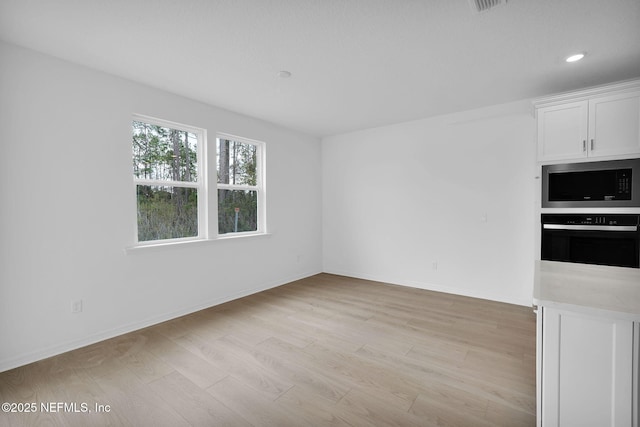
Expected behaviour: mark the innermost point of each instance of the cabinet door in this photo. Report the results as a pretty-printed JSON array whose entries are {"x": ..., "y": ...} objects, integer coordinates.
[
  {"x": 562, "y": 131},
  {"x": 614, "y": 125},
  {"x": 586, "y": 370}
]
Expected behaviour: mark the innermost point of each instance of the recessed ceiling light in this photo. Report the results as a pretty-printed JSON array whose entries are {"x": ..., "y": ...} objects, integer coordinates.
[
  {"x": 284, "y": 74},
  {"x": 574, "y": 58}
]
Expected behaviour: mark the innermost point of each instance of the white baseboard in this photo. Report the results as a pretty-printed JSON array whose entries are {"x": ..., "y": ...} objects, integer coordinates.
[
  {"x": 57, "y": 349},
  {"x": 435, "y": 287}
]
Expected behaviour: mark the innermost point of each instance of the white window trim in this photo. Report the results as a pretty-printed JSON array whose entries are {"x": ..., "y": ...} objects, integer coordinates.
[
  {"x": 207, "y": 203},
  {"x": 259, "y": 188},
  {"x": 200, "y": 185}
]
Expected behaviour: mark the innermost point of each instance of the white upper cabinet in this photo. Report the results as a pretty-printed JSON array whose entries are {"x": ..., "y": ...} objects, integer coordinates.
[
  {"x": 597, "y": 123},
  {"x": 562, "y": 131},
  {"x": 614, "y": 125}
]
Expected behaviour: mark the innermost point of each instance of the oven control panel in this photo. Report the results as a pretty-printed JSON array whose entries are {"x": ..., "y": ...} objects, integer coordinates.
[
  {"x": 572, "y": 219},
  {"x": 598, "y": 220}
]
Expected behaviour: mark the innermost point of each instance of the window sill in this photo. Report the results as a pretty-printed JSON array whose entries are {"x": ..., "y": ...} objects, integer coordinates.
[{"x": 189, "y": 243}]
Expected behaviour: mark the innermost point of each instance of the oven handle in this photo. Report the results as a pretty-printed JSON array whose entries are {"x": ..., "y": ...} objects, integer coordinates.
[{"x": 590, "y": 227}]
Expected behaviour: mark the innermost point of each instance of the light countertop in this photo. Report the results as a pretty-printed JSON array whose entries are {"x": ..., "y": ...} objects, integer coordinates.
[{"x": 588, "y": 288}]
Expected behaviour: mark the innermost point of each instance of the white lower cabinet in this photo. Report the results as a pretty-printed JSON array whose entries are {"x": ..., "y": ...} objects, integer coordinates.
[{"x": 587, "y": 370}]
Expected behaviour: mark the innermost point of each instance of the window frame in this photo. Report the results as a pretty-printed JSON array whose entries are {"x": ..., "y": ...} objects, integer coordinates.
[
  {"x": 200, "y": 185},
  {"x": 259, "y": 188}
]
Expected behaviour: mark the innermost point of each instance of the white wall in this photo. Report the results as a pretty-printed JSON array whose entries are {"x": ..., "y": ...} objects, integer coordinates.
[
  {"x": 67, "y": 211},
  {"x": 400, "y": 198},
  {"x": 391, "y": 202}
]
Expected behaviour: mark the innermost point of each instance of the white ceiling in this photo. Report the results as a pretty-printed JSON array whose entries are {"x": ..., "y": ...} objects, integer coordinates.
[{"x": 356, "y": 63}]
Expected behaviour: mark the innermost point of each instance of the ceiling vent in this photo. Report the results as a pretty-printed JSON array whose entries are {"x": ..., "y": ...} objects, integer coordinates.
[{"x": 479, "y": 6}]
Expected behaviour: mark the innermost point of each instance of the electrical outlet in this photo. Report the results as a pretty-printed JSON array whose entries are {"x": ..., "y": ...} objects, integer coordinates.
[
  {"x": 434, "y": 265},
  {"x": 76, "y": 306}
]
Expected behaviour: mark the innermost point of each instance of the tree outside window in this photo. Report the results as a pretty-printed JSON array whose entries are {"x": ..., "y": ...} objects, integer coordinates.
[
  {"x": 167, "y": 172},
  {"x": 240, "y": 193}
]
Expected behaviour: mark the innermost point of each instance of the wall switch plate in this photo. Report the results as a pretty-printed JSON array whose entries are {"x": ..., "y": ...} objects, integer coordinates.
[{"x": 76, "y": 306}]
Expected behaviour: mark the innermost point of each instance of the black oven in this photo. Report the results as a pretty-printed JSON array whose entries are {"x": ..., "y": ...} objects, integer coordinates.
[{"x": 592, "y": 239}]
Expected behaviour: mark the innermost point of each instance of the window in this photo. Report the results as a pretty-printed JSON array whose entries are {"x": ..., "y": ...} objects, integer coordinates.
[
  {"x": 169, "y": 165},
  {"x": 168, "y": 171},
  {"x": 240, "y": 185}
]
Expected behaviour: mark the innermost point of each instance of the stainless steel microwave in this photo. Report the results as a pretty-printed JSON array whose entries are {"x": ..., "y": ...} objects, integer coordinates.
[{"x": 614, "y": 183}]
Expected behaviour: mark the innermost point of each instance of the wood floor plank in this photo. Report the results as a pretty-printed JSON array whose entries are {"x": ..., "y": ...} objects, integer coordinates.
[
  {"x": 249, "y": 373},
  {"x": 194, "y": 368},
  {"x": 326, "y": 383},
  {"x": 441, "y": 412},
  {"x": 375, "y": 379},
  {"x": 508, "y": 416},
  {"x": 44, "y": 384},
  {"x": 135, "y": 401},
  {"x": 361, "y": 409},
  {"x": 322, "y": 351},
  {"x": 194, "y": 404},
  {"x": 254, "y": 408},
  {"x": 146, "y": 365},
  {"x": 289, "y": 368},
  {"x": 306, "y": 403}
]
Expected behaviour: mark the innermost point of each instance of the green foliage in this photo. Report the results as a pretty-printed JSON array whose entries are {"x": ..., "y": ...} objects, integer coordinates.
[
  {"x": 166, "y": 212},
  {"x": 246, "y": 201}
]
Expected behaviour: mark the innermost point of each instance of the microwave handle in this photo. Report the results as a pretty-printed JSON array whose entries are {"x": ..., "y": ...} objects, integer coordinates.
[
  {"x": 590, "y": 227},
  {"x": 584, "y": 145}
]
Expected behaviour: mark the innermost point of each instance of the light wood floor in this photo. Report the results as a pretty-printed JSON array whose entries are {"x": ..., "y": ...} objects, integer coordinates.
[{"x": 326, "y": 350}]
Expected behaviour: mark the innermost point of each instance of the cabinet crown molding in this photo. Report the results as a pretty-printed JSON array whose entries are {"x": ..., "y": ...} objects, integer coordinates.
[{"x": 587, "y": 93}]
